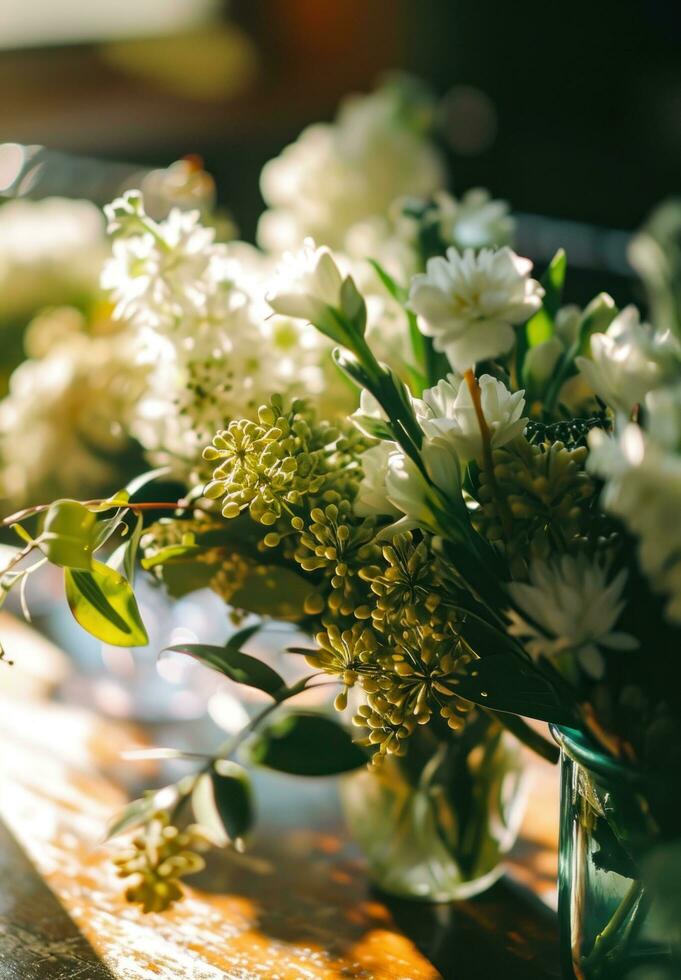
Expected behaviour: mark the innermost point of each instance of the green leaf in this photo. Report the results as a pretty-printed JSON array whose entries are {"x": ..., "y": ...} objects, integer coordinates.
[
  {"x": 238, "y": 666},
  {"x": 397, "y": 292},
  {"x": 307, "y": 744},
  {"x": 553, "y": 282},
  {"x": 174, "y": 552},
  {"x": 132, "y": 815},
  {"x": 68, "y": 534},
  {"x": 22, "y": 532},
  {"x": 130, "y": 559},
  {"x": 233, "y": 798},
  {"x": 540, "y": 327},
  {"x": 223, "y": 803},
  {"x": 143, "y": 479},
  {"x": 243, "y": 635},
  {"x": 107, "y": 528},
  {"x": 104, "y": 604},
  {"x": 504, "y": 683}
]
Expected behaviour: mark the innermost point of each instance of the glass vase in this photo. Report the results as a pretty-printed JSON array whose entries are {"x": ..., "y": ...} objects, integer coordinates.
[
  {"x": 435, "y": 824},
  {"x": 619, "y": 897}
]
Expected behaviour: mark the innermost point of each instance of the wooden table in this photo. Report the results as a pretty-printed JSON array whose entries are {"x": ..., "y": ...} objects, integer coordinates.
[{"x": 296, "y": 905}]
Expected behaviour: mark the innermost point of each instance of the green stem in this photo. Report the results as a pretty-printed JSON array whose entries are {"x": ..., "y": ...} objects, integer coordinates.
[
  {"x": 622, "y": 916},
  {"x": 22, "y": 515}
]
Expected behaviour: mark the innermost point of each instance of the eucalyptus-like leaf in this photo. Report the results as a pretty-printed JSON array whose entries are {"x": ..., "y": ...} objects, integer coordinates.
[
  {"x": 305, "y": 743},
  {"x": 68, "y": 534},
  {"x": 104, "y": 604},
  {"x": 130, "y": 559},
  {"x": 172, "y": 553},
  {"x": 22, "y": 532},
  {"x": 223, "y": 802},
  {"x": 107, "y": 528},
  {"x": 238, "y": 666},
  {"x": 143, "y": 479},
  {"x": 233, "y": 798}
]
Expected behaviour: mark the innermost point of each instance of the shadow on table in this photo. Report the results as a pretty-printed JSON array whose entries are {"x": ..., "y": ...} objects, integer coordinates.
[
  {"x": 38, "y": 939},
  {"x": 309, "y": 888}
]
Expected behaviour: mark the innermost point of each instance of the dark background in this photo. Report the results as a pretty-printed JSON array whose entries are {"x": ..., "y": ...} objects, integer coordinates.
[{"x": 567, "y": 110}]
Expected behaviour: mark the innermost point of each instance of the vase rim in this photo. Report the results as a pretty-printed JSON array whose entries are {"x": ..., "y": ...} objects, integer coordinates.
[{"x": 583, "y": 750}]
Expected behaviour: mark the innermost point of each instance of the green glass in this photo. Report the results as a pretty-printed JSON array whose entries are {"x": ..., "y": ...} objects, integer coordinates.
[
  {"x": 619, "y": 896},
  {"x": 436, "y": 824}
]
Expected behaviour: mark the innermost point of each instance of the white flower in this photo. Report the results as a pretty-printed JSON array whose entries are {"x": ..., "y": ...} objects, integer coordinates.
[
  {"x": 476, "y": 220},
  {"x": 309, "y": 282},
  {"x": 64, "y": 423},
  {"x": 338, "y": 174},
  {"x": 572, "y": 607},
  {"x": 408, "y": 490},
  {"x": 372, "y": 496},
  {"x": 452, "y": 414},
  {"x": 202, "y": 326},
  {"x": 469, "y": 302},
  {"x": 51, "y": 253},
  {"x": 626, "y": 361},
  {"x": 642, "y": 473},
  {"x": 162, "y": 273},
  {"x": 369, "y": 417}
]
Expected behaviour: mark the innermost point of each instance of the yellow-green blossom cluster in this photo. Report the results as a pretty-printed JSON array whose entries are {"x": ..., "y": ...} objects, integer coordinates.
[
  {"x": 161, "y": 854},
  {"x": 381, "y": 610}
]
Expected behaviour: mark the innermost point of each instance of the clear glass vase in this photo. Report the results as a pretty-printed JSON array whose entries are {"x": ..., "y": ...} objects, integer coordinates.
[
  {"x": 619, "y": 899},
  {"x": 435, "y": 824}
]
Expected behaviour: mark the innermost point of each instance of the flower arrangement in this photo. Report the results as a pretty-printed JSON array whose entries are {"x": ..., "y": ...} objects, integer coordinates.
[{"x": 490, "y": 535}]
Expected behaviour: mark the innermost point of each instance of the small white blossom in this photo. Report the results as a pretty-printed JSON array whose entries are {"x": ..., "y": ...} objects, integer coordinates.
[
  {"x": 469, "y": 302},
  {"x": 626, "y": 361},
  {"x": 372, "y": 495},
  {"x": 572, "y": 606},
  {"x": 309, "y": 281},
  {"x": 476, "y": 220},
  {"x": 453, "y": 417},
  {"x": 162, "y": 273}
]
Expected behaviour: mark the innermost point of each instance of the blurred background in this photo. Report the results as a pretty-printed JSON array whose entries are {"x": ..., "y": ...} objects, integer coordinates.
[{"x": 573, "y": 114}]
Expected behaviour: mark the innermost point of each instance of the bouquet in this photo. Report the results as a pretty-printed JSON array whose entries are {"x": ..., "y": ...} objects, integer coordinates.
[{"x": 489, "y": 535}]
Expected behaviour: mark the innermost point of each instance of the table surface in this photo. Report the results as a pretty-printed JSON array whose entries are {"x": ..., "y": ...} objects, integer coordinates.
[{"x": 297, "y": 904}]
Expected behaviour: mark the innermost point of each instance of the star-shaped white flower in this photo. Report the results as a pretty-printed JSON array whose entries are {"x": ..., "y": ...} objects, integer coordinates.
[{"x": 570, "y": 606}]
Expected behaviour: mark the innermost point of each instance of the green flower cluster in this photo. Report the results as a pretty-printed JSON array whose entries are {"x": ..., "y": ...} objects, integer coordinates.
[
  {"x": 269, "y": 466},
  {"x": 380, "y": 609},
  {"x": 547, "y": 493}
]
